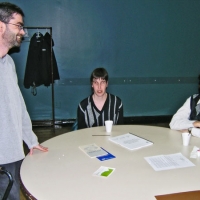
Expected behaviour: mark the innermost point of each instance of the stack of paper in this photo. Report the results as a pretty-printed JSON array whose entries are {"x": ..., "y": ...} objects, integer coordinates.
[
  {"x": 166, "y": 162},
  {"x": 92, "y": 150},
  {"x": 130, "y": 141}
]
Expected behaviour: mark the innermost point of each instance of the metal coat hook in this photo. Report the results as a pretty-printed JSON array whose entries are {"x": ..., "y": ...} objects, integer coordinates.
[{"x": 38, "y": 34}]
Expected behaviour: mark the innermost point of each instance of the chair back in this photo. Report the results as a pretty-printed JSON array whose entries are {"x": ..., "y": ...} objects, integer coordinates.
[
  {"x": 75, "y": 125},
  {"x": 10, "y": 182}
]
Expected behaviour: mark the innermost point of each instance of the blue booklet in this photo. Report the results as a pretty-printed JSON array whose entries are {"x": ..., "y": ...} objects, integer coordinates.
[{"x": 106, "y": 157}]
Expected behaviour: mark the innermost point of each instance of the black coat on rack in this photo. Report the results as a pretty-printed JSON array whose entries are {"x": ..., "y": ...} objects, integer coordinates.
[
  {"x": 38, "y": 67},
  {"x": 52, "y": 68}
]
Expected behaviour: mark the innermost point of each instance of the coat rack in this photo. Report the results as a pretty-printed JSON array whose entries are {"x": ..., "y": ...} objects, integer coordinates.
[{"x": 52, "y": 75}]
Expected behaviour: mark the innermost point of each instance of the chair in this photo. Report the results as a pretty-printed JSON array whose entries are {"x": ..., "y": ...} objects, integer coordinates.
[
  {"x": 75, "y": 125},
  {"x": 10, "y": 183}
]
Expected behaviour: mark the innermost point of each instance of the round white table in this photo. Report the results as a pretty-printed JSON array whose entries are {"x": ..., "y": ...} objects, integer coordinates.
[{"x": 66, "y": 172}]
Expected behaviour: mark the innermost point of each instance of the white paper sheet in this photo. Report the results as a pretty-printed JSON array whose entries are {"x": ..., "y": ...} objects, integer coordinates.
[
  {"x": 92, "y": 150},
  {"x": 130, "y": 141},
  {"x": 166, "y": 162}
]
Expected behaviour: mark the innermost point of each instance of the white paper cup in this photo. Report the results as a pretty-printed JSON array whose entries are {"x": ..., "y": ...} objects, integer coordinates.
[
  {"x": 186, "y": 138},
  {"x": 108, "y": 125}
]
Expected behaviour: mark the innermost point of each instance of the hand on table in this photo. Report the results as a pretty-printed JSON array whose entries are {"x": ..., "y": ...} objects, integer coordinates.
[
  {"x": 184, "y": 130},
  {"x": 197, "y": 124},
  {"x": 39, "y": 147}
]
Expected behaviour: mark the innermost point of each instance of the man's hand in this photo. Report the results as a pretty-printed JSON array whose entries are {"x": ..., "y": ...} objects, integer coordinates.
[
  {"x": 197, "y": 124},
  {"x": 184, "y": 131},
  {"x": 39, "y": 147}
]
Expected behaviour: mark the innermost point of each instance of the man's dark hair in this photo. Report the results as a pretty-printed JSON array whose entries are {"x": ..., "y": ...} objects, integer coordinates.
[
  {"x": 99, "y": 73},
  {"x": 7, "y": 10}
]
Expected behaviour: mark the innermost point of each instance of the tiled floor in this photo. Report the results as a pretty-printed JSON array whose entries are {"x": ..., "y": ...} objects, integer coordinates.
[{"x": 45, "y": 133}]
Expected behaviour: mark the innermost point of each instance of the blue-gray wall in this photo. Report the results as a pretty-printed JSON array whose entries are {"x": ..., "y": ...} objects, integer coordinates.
[{"x": 149, "y": 47}]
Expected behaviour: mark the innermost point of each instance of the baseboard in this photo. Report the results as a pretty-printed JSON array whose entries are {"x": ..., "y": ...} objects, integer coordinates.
[
  {"x": 63, "y": 122},
  {"x": 127, "y": 120},
  {"x": 148, "y": 119},
  {"x": 42, "y": 122}
]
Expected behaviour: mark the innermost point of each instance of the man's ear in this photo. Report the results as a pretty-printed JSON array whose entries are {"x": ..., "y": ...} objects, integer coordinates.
[{"x": 2, "y": 27}]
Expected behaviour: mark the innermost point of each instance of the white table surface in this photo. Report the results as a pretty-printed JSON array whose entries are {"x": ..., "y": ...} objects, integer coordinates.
[{"x": 65, "y": 172}]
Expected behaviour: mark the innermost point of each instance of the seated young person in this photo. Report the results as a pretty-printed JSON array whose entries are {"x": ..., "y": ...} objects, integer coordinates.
[
  {"x": 100, "y": 106},
  {"x": 188, "y": 116}
]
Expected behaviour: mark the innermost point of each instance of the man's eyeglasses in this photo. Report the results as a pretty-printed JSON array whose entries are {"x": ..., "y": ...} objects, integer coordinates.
[{"x": 18, "y": 25}]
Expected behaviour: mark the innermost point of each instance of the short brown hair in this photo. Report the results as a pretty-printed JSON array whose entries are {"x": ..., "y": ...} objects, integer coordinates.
[
  {"x": 7, "y": 10},
  {"x": 99, "y": 73}
]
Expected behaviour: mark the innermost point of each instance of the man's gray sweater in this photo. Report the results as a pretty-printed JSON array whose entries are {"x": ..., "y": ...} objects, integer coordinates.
[{"x": 15, "y": 123}]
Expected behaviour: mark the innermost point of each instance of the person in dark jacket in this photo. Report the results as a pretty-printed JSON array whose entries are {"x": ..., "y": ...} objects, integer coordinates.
[{"x": 100, "y": 106}]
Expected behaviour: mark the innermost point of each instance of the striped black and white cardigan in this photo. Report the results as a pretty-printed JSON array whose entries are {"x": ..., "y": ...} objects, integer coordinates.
[{"x": 89, "y": 116}]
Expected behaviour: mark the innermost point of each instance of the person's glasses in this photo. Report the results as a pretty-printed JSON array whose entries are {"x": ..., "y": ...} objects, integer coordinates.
[{"x": 18, "y": 25}]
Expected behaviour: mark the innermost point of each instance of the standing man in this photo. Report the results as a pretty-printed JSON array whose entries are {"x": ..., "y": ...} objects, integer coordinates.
[
  {"x": 100, "y": 106},
  {"x": 15, "y": 123}
]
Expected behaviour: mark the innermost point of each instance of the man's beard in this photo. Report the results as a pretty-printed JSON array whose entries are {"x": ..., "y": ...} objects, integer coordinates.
[{"x": 10, "y": 39}]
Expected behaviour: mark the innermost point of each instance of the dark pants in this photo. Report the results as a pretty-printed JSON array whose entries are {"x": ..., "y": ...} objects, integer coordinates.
[{"x": 14, "y": 169}]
